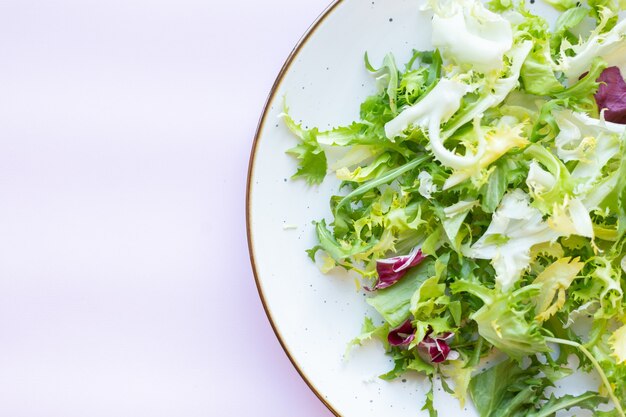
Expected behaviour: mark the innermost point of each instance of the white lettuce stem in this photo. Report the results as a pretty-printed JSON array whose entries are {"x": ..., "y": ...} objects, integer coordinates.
[
  {"x": 596, "y": 365},
  {"x": 447, "y": 157}
]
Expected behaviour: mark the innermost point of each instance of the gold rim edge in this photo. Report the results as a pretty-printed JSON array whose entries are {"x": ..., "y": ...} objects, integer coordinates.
[{"x": 294, "y": 53}]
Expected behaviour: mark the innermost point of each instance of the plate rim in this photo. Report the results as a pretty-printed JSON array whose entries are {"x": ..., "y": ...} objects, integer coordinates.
[{"x": 249, "y": 182}]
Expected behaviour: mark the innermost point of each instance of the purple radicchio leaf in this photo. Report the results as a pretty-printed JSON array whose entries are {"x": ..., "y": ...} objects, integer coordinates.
[
  {"x": 390, "y": 270},
  {"x": 403, "y": 335},
  {"x": 611, "y": 95},
  {"x": 437, "y": 347}
]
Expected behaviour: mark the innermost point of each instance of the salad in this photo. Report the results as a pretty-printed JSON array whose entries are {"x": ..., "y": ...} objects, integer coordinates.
[{"x": 483, "y": 205}]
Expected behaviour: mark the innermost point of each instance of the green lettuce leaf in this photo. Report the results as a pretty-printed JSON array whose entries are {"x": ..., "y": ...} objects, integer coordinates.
[
  {"x": 507, "y": 390},
  {"x": 505, "y": 320},
  {"x": 394, "y": 303},
  {"x": 313, "y": 164}
]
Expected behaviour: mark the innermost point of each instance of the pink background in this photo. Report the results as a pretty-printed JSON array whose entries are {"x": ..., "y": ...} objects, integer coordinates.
[{"x": 125, "y": 284}]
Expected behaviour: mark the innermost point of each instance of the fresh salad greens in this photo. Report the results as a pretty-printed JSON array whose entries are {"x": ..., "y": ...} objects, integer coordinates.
[{"x": 483, "y": 204}]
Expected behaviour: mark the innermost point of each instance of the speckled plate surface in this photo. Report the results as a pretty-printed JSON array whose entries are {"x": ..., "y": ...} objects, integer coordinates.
[{"x": 316, "y": 315}]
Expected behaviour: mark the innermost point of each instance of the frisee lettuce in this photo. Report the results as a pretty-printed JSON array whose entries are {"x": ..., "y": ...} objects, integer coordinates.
[{"x": 491, "y": 158}]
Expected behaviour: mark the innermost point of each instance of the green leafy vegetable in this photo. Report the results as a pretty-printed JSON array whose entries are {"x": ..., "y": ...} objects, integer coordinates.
[
  {"x": 313, "y": 164},
  {"x": 489, "y": 157},
  {"x": 507, "y": 390}
]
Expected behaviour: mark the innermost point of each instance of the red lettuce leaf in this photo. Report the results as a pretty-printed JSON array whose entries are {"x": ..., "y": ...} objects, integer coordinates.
[
  {"x": 434, "y": 348},
  {"x": 611, "y": 95},
  {"x": 438, "y": 348},
  {"x": 391, "y": 270},
  {"x": 403, "y": 335}
]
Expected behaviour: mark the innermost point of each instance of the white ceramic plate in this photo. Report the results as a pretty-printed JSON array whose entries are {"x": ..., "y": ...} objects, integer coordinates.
[{"x": 316, "y": 315}]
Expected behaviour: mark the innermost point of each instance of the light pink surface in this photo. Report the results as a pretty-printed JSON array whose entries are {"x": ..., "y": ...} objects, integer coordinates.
[{"x": 125, "y": 131}]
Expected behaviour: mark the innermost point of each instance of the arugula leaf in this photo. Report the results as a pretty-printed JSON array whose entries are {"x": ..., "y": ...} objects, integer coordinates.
[
  {"x": 507, "y": 389},
  {"x": 588, "y": 400},
  {"x": 428, "y": 403},
  {"x": 386, "y": 178},
  {"x": 502, "y": 390}
]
